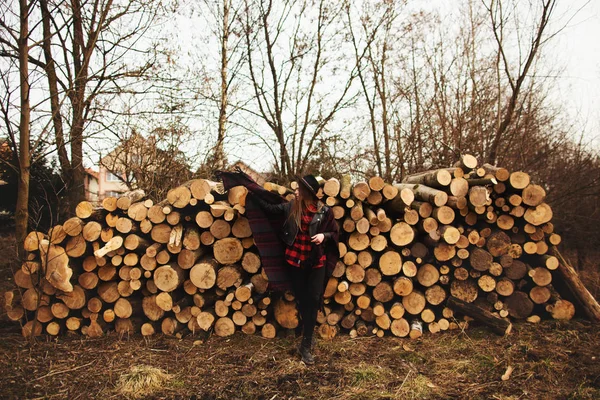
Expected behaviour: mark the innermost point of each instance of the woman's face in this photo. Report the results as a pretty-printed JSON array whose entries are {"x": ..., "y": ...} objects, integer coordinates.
[{"x": 302, "y": 193}]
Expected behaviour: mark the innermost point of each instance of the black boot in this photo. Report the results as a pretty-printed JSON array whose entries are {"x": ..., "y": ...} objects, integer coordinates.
[{"x": 306, "y": 352}]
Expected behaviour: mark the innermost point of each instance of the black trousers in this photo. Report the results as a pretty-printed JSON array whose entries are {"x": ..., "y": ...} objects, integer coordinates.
[{"x": 308, "y": 289}]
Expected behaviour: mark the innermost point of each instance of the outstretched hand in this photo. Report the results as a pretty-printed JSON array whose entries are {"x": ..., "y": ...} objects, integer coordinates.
[{"x": 318, "y": 238}]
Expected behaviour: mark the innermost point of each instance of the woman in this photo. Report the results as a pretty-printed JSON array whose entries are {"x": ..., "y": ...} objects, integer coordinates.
[{"x": 309, "y": 228}]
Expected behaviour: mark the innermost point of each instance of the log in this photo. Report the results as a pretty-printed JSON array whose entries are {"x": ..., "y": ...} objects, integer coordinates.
[
  {"x": 541, "y": 276},
  {"x": 515, "y": 270},
  {"x": 88, "y": 280},
  {"x": 73, "y": 226},
  {"x": 444, "y": 252},
  {"x": 174, "y": 245},
  {"x": 400, "y": 327},
  {"x": 505, "y": 287},
  {"x": 123, "y": 308},
  {"x": 361, "y": 190},
  {"x": 345, "y": 187},
  {"x": 428, "y": 275},
  {"x": 519, "y": 180},
  {"x": 403, "y": 286},
  {"x": 390, "y": 263},
  {"x": 206, "y": 320},
  {"x": 155, "y": 214},
  {"x": 151, "y": 310},
  {"x": 358, "y": 241},
  {"x": 519, "y": 305},
  {"x": 478, "y": 196},
  {"x": 459, "y": 188},
  {"x": 74, "y": 300},
  {"x": 228, "y": 250},
  {"x": 444, "y": 214},
  {"x": 332, "y": 187},
  {"x": 466, "y": 163},
  {"x": 285, "y": 313},
  {"x": 179, "y": 197},
  {"x": 538, "y": 215},
  {"x": 241, "y": 228},
  {"x": 437, "y": 178},
  {"x": 383, "y": 292},
  {"x": 173, "y": 218},
  {"x": 402, "y": 234},
  {"x": 113, "y": 244},
  {"x": 590, "y": 306},
  {"x": 435, "y": 295},
  {"x": 186, "y": 259},
  {"x": 414, "y": 302},
  {"x": 480, "y": 259},
  {"x": 168, "y": 277},
  {"x": 108, "y": 292},
  {"x": 228, "y": 276},
  {"x": 56, "y": 234},
  {"x": 425, "y": 193},
  {"x": 91, "y": 231},
  {"x": 403, "y": 199},
  {"x": 56, "y": 263},
  {"x": 75, "y": 246},
  {"x": 204, "y": 274},
  {"x": 540, "y": 294},
  {"x": 561, "y": 310},
  {"x": 465, "y": 290},
  {"x": 251, "y": 262},
  {"x": 497, "y": 325}
]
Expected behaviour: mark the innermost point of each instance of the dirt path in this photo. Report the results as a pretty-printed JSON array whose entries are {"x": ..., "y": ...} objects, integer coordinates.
[{"x": 551, "y": 361}]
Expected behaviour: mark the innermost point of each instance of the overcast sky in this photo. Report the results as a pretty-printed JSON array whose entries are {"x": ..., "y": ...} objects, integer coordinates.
[{"x": 578, "y": 48}]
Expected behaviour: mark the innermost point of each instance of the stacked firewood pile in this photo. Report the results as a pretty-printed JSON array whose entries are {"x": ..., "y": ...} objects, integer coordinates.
[{"x": 429, "y": 254}]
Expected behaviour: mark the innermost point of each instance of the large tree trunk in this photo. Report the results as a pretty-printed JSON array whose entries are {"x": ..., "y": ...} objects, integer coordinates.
[{"x": 21, "y": 209}]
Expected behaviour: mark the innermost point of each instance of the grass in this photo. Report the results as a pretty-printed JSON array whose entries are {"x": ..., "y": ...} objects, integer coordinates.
[
  {"x": 141, "y": 381},
  {"x": 584, "y": 391},
  {"x": 365, "y": 374},
  {"x": 417, "y": 386}
]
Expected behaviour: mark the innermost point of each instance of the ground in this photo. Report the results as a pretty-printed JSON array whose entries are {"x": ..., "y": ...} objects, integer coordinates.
[{"x": 551, "y": 360}]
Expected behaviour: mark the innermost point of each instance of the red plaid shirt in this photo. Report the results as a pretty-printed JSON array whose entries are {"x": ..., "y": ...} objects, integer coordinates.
[{"x": 300, "y": 249}]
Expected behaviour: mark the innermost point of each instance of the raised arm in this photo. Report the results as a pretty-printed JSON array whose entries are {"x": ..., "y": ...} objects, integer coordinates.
[{"x": 269, "y": 207}]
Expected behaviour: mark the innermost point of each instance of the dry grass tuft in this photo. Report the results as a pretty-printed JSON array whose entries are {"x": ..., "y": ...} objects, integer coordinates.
[
  {"x": 141, "y": 381},
  {"x": 416, "y": 386}
]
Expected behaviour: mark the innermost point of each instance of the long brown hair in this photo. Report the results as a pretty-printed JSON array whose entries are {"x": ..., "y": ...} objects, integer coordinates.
[{"x": 303, "y": 201}]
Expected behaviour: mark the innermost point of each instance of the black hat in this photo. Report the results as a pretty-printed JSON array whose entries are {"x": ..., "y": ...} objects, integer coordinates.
[{"x": 310, "y": 182}]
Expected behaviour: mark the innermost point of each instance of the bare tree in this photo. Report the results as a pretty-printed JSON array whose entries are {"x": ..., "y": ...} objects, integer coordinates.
[
  {"x": 90, "y": 53},
  {"x": 378, "y": 29},
  {"x": 223, "y": 18},
  {"x": 515, "y": 76},
  {"x": 154, "y": 164},
  {"x": 219, "y": 159},
  {"x": 287, "y": 78},
  {"x": 22, "y": 207}
]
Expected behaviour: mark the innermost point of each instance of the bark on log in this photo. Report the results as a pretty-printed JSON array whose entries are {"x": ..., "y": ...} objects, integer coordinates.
[
  {"x": 519, "y": 305},
  {"x": 437, "y": 178},
  {"x": 568, "y": 274},
  {"x": 497, "y": 325}
]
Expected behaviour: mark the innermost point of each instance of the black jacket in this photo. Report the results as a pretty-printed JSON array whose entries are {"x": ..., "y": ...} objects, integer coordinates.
[{"x": 290, "y": 228}]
